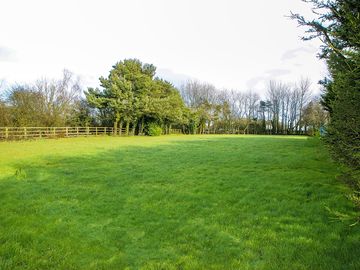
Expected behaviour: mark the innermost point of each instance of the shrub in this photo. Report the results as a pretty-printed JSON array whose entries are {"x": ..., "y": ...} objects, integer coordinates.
[{"x": 153, "y": 129}]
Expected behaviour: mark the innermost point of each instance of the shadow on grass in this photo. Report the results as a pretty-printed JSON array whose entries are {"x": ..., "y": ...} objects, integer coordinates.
[{"x": 212, "y": 203}]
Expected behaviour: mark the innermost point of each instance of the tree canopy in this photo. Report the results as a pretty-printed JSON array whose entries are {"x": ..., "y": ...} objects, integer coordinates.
[
  {"x": 338, "y": 26},
  {"x": 134, "y": 97}
]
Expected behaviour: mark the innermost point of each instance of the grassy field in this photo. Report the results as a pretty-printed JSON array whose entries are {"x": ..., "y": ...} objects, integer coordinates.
[{"x": 175, "y": 202}]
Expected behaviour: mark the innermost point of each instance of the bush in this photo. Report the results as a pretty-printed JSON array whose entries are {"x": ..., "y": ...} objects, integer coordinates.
[{"x": 153, "y": 129}]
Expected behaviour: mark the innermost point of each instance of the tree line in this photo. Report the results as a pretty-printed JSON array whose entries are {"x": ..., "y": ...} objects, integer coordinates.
[
  {"x": 45, "y": 103},
  {"x": 132, "y": 98},
  {"x": 286, "y": 109}
]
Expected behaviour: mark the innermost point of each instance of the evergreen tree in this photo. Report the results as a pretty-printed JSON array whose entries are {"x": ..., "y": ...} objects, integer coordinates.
[
  {"x": 338, "y": 26},
  {"x": 136, "y": 98}
]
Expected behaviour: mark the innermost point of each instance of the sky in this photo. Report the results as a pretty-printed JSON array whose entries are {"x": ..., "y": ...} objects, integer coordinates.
[{"x": 233, "y": 44}]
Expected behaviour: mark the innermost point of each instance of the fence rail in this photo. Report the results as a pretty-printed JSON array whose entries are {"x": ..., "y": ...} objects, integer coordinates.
[
  {"x": 175, "y": 131},
  {"x": 21, "y": 133}
]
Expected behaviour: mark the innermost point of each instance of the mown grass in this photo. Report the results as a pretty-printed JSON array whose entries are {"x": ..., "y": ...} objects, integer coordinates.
[{"x": 175, "y": 202}]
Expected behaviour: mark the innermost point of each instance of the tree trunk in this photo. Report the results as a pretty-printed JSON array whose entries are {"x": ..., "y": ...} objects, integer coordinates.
[
  {"x": 133, "y": 129},
  {"x": 127, "y": 128},
  {"x": 115, "y": 127},
  {"x": 141, "y": 129},
  {"x": 120, "y": 127}
]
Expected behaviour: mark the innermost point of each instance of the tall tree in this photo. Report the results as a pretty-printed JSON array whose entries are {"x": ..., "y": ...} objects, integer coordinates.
[
  {"x": 58, "y": 98},
  {"x": 121, "y": 92},
  {"x": 304, "y": 95},
  {"x": 337, "y": 24},
  {"x": 133, "y": 96}
]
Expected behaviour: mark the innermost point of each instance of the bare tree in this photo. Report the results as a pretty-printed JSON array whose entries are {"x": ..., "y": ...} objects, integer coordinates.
[
  {"x": 231, "y": 111},
  {"x": 287, "y": 104},
  {"x": 304, "y": 95},
  {"x": 58, "y": 97},
  {"x": 251, "y": 100},
  {"x": 274, "y": 95},
  {"x": 46, "y": 103}
]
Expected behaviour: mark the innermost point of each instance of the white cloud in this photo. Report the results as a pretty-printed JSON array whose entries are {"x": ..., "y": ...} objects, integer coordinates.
[
  {"x": 294, "y": 53},
  {"x": 175, "y": 78},
  {"x": 7, "y": 54}
]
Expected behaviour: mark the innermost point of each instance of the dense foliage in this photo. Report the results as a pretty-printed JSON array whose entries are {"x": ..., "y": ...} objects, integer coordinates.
[
  {"x": 338, "y": 26},
  {"x": 153, "y": 129},
  {"x": 131, "y": 95}
]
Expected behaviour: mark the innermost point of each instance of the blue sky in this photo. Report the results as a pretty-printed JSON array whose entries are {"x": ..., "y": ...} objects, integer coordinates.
[{"x": 232, "y": 44}]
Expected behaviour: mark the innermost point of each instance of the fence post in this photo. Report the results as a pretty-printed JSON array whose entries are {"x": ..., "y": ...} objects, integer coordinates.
[
  {"x": 25, "y": 133},
  {"x": 96, "y": 131},
  {"x": 77, "y": 131},
  {"x": 66, "y": 131},
  {"x": 105, "y": 130},
  {"x": 87, "y": 131},
  {"x": 54, "y": 131},
  {"x": 6, "y": 133}
]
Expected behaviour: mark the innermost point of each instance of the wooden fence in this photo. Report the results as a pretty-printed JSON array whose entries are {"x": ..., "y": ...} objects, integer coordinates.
[
  {"x": 175, "y": 131},
  {"x": 21, "y": 133}
]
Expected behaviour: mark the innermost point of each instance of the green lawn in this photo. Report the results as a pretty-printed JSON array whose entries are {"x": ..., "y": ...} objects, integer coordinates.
[{"x": 173, "y": 202}]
